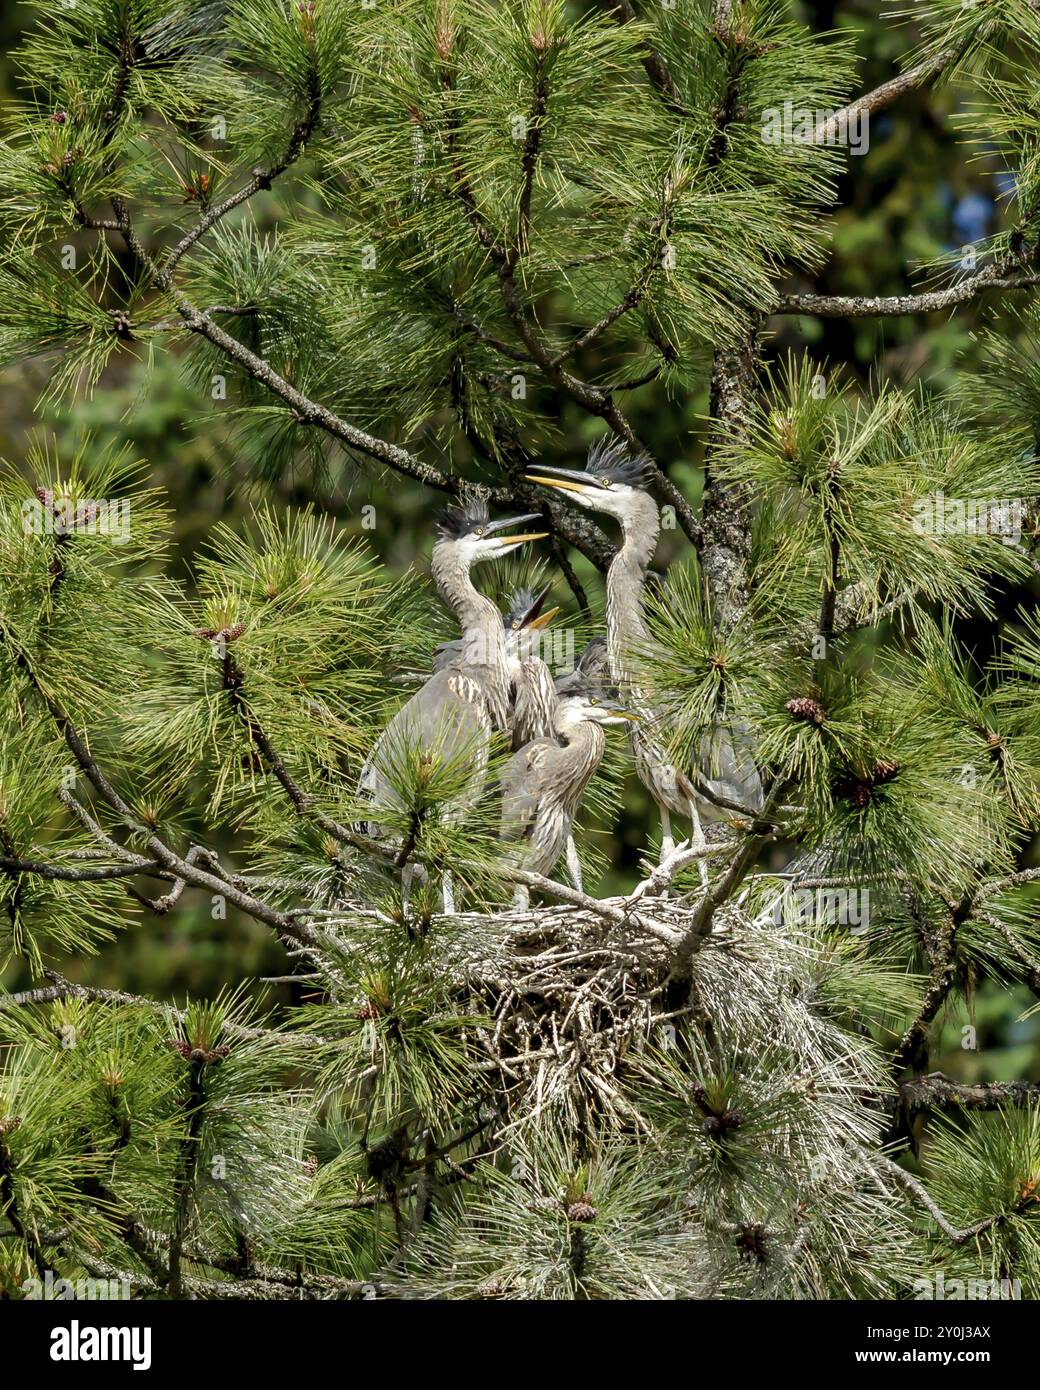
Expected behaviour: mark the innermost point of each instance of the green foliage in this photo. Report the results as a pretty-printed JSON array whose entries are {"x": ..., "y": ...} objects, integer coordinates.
[
  {"x": 489, "y": 217},
  {"x": 984, "y": 1170}
]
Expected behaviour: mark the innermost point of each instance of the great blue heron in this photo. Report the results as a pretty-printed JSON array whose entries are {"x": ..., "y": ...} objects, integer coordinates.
[
  {"x": 533, "y": 691},
  {"x": 614, "y": 481},
  {"x": 543, "y": 783},
  {"x": 452, "y": 716}
]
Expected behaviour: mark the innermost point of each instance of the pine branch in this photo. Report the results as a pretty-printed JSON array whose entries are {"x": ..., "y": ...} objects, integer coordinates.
[
  {"x": 481, "y": 333},
  {"x": 664, "y": 874},
  {"x": 579, "y": 533},
  {"x": 630, "y": 300},
  {"x": 262, "y": 178},
  {"x": 162, "y": 853},
  {"x": 62, "y": 873},
  {"x": 187, "y": 1167},
  {"x": 61, "y": 989},
  {"x": 918, "y": 1190},
  {"x": 754, "y": 838},
  {"x": 888, "y": 92},
  {"x": 9, "y": 1198},
  {"x": 596, "y": 400},
  {"x": 1004, "y": 885},
  {"x": 725, "y": 542},
  {"x": 937, "y": 1092},
  {"x": 997, "y": 277},
  {"x": 912, "y": 1049}
]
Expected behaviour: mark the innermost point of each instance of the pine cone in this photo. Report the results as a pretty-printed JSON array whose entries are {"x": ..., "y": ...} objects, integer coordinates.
[
  {"x": 751, "y": 1242},
  {"x": 803, "y": 707},
  {"x": 367, "y": 1011},
  {"x": 582, "y": 1211},
  {"x": 722, "y": 1124},
  {"x": 546, "y": 1204},
  {"x": 198, "y": 1054},
  {"x": 860, "y": 790}
]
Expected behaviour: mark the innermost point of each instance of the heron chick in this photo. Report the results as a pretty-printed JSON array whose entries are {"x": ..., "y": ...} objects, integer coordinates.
[{"x": 542, "y": 784}]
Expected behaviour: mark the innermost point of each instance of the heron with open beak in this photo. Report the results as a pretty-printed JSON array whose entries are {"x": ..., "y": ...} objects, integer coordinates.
[
  {"x": 614, "y": 481},
  {"x": 451, "y": 717}
]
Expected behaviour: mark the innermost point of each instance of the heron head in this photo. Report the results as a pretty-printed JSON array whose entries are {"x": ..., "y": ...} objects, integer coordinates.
[
  {"x": 613, "y": 480},
  {"x": 524, "y": 619},
  {"x": 596, "y": 705},
  {"x": 469, "y": 529}
]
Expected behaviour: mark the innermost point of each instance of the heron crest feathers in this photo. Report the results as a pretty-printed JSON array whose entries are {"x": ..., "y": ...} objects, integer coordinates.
[
  {"x": 458, "y": 521},
  {"x": 612, "y": 461}
]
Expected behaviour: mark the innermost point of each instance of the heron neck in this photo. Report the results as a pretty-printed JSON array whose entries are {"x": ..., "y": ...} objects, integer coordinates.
[
  {"x": 483, "y": 640},
  {"x": 581, "y": 754},
  {"x": 626, "y": 580}
]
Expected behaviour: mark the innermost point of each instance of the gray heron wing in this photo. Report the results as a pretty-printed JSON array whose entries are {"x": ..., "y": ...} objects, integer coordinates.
[
  {"x": 522, "y": 784},
  {"x": 448, "y": 654},
  {"x": 534, "y": 702},
  {"x": 447, "y": 717},
  {"x": 589, "y": 669},
  {"x": 728, "y": 766}
]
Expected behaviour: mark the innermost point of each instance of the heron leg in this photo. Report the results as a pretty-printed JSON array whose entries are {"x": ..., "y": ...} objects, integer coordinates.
[
  {"x": 448, "y": 894},
  {"x": 407, "y": 876},
  {"x": 667, "y": 843},
  {"x": 574, "y": 864},
  {"x": 697, "y": 839}
]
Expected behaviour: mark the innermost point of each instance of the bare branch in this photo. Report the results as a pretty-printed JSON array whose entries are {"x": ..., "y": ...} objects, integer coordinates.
[
  {"x": 63, "y": 873},
  {"x": 917, "y": 1189},
  {"x": 937, "y": 1092},
  {"x": 864, "y": 306},
  {"x": 888, "y": 92}
]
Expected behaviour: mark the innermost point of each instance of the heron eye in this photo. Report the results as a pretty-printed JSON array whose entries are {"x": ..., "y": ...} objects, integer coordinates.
[
  {"x": 594, "y": 701},
  {"x": 479, "y": 531},
  {"x": 516, "y": 627}
]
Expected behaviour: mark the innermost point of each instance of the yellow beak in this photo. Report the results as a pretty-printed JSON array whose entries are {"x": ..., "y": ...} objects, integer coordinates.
[
  {"x": 632, "y": 718},
  {"x": 554, "y": 482},
  {"x": 543, "y": 620},
  {"x": 527, "y": 536}
]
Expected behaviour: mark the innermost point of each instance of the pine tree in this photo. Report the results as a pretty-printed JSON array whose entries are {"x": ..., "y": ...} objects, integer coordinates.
[{"x": 488, "y": 228}]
